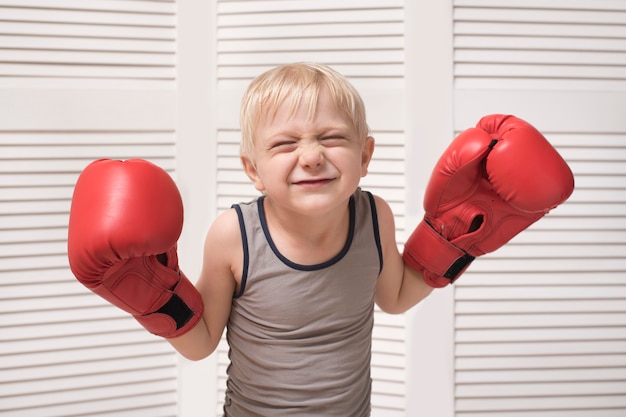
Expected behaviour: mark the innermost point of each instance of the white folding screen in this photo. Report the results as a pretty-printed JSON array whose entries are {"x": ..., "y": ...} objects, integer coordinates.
[
  {"x": 540, "y": 326},
  {"x": 361, "y": 39},
  {"x": 79, "y": 80}
]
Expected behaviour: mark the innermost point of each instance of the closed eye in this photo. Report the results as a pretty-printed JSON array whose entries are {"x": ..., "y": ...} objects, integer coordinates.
[
  {"x": 333, "y": 140},
  {"x": 283, "y": 145}
]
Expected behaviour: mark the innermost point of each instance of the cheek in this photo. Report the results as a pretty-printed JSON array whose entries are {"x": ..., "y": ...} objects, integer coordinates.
[{"x": 273, "y": 171}]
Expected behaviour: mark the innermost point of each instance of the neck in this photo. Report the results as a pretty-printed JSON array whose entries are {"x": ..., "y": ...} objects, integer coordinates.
[{"x": 308, "y": 239}]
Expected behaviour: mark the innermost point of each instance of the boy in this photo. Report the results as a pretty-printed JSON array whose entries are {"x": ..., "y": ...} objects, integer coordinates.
[{"x": 294, "y": 274}]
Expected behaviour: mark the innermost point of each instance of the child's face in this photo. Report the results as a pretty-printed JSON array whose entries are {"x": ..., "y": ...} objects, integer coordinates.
[{"x": 309, "y": 164}]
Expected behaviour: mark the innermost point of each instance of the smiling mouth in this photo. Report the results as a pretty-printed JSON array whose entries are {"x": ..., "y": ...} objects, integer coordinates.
[{"x": 313, "y": 183}]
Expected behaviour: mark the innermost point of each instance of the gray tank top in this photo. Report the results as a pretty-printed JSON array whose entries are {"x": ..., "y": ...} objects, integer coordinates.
[{"x": 300, "y": 335}]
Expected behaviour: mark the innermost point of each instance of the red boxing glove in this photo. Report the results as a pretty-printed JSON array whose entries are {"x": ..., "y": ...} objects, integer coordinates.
[
  {"x": 125, "y": 220},
  {"x": 491, "y": 183}
]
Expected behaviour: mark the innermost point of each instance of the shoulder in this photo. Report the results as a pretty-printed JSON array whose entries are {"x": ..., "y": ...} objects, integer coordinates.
[
  {"x": 383, "y": 211},
  {"x": 386, "y": 224},
  {"x": 224, "y": 232},
  {"x": 223, "y": 245}
]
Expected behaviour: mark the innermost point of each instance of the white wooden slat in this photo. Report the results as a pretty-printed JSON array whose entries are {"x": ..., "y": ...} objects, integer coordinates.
[
  {"x": 390, "y": 360},
  {"x": 536, "y": 235},
  {"x": 19, "y": 169},
  {"x": 52, "y": 69},
  {"x": 592, "y": 265},
  {"x": 160, "y": 6},
  {"x": 234, "y": 190},
  {"x": 63, "y": 57},
  {"x": 311, "y": 30},
  {"x": 546, "y": 15},
  {"x": 93, "y": 391},
  {"x": 582, "y": 412},
  {"x": 547, "y": 30},
  {"x": 382, "y": 180},
  {"x": 247, "y": 6},
  {"x": 53, "y": 234},
  {"x": 536, "y": 305},
  {"x": 387, "y": 167},
  {"x": 64, "y": 82},
  {"x": 345, "y": 16},
  {"x": 58, "y": 370},
  {"x": 578, "y": 217},
  {"x": 52, "y": 288},
  {"x": 548, "y": 348},
  {"x": 543, "y": 57},
  {"x": 331, "y": 57},
  {"x": 544, "y": 403},
  {"x": 77, "y": 165},
  {"x": 82, "y": 381},
  {"x": 44, "y": 248},
  {"x": 540, "y": 320},
  {"x": 544, "y": 292},
  {"x": 78, "y": 16},
  {"x": 12, "y": 222},
  {"x": 37, "y": 179},
  {"x": 544, "y": 389},
  {"x": 95, "y": 32},
  {"x": 74, "y": 328},
  {"x": 542, "y": 362},
  {"x": 481, "y": 69},
  {"x": 610, "y": 5},
  {"x": 34, "y": 262},
  {"x": 31, "y": 318},
  {"x": 93, "y": 151},
  {"x": 31, "y": 207},
  {"x": 367, "y": 43},
  {"x": 66, "y": 138},
  {"x": 389, "y": 332},
  {"x": 71, "y": 43},
  {"x": 36, "y": 193},
  {"x": 80, "y": 341},
  {"x": 389, "y": 153},
  {"x": 353, "y": 67},
  {"x": 531, "y": 375},
  {"x": 379, "y": 408},
  {"x": 541, "y": 84},
  {"x": 540, "y": 335},
  {"x": 383, "y": 383},
  {"x": 130, "y": 391},
  {"x": 562, "y": 251},
  {"x": 117, "y": 405},
  {"x": 232, "y": 176},
  {"x": 600, "y": 167},
  {"x": 519, "y": 278},
  {"x": 555, "y": 43}
]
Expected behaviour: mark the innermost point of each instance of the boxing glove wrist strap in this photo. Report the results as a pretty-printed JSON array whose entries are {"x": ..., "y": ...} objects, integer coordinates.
[
  {"x": 160, "y": 298},
  {"x": 429, "y": 252},
  {"x": 180, "y": 313}
]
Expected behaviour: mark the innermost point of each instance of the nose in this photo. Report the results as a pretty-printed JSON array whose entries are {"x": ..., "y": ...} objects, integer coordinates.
[{"x": 311, "y": 156}]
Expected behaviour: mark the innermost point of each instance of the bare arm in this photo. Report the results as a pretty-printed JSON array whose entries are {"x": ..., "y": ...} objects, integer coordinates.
[
  {"x": 399, "y": 287},
  {"x": 217, "y": 283}
]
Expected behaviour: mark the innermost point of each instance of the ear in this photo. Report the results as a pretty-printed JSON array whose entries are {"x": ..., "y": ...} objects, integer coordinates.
[
  {"x": 366, "y": 154},
  {"x": 251, "y": 171}
]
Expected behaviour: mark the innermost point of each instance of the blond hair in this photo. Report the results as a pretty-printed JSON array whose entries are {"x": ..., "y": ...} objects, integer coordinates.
[{"x": 300, "y": 83}]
